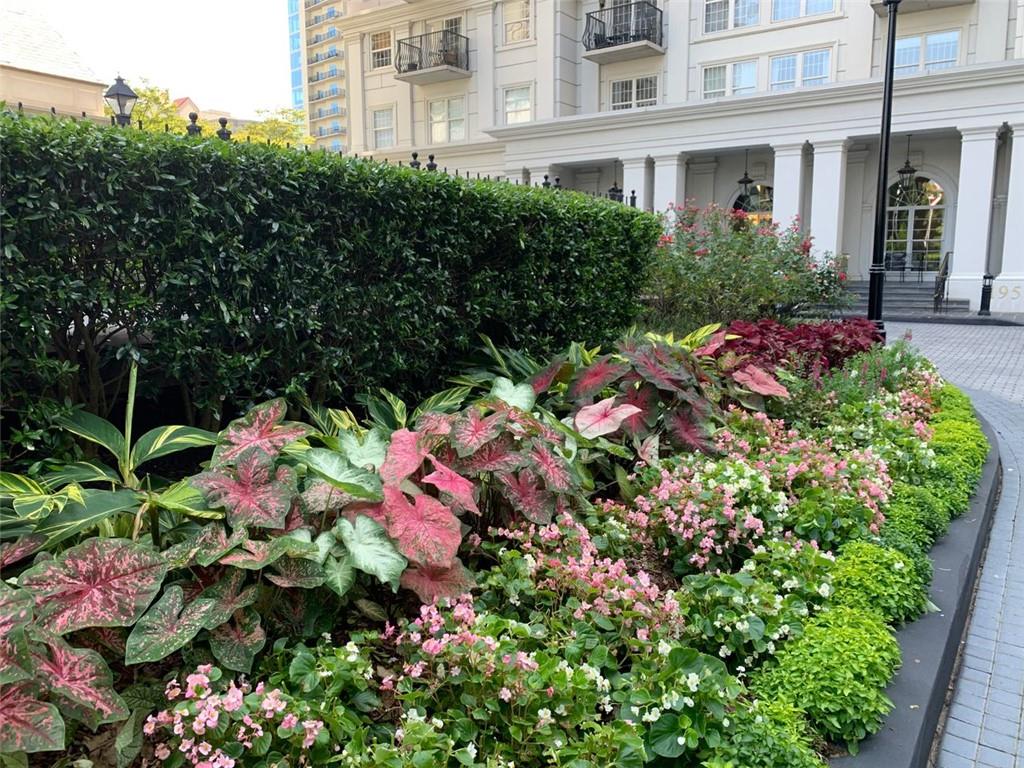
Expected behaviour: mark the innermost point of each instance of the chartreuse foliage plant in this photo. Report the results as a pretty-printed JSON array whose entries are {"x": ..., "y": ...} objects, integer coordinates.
[
  {"x": 233, "y": 292},
  {"x": 878, "y": 579},
  {"x": 836, "y": 674}
]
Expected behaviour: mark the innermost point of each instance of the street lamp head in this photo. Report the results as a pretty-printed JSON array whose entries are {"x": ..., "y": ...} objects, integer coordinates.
[
  {"x": 907, "y": 174},
  {"x": 121, "y": 99}
]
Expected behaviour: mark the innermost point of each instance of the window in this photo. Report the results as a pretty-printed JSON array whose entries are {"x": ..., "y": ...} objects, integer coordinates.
[
  {"x": 383, "y": 128},
  {"x": 447, "y": 120},
  {"x": 907, "y": 59},
  {"x": 296, "y": 97},
  {"x": 515, "y": 15},
  {"x": 735, "y": 78},
  {"x": 757, "y": 203},
  {"x": 914, "y": 226},
  {"x": 517, "y": 105},
  {"x": 380, "y": 50},
  {"x": 638, "y": 92},
  {"x": 335, "y": 146},
  {"x": 815, "y": 68},
  {"x": 720, "y": 15},
  {"x": 453, "y": 24},
  {"x": 941, "y": 50},
  {"x": 792, "y": 9}
]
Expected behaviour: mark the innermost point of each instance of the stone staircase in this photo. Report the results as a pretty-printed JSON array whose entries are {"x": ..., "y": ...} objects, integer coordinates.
[{"x": 909, "y": 298}]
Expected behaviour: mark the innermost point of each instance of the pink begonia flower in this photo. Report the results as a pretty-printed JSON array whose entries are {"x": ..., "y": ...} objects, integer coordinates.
[
  {"x": 313, "y": 728},
  {"x": 505, "y": 694},
  {"x": 289, "y": 721},
  {"x": 194, "y": 681},
  {"x": 172, "y": 690},
  {"x": 204, "y": 669},
  {"x": 272, "y": 704},
  {"x": 161, "y": 751},
  {"x": 233, "y": 700}
]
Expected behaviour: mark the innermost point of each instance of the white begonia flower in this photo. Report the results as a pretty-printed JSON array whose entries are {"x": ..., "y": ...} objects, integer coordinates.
[
  {"x": 681, "y": 740},
  {"x": 693, "y": 680},
  {"x": 471, "y": 750},
  {"x": 688, "y": 702},
  {"x": 664, "y": 648},
  {"x": 437, "y": 722},
  {"x": 825, "y": 589},
  {"x": 724, "y": 651},
  {"x": 544, "y": 714},
  {"x": 725, "y": 722},
  {"x": 898, "y": 565}
]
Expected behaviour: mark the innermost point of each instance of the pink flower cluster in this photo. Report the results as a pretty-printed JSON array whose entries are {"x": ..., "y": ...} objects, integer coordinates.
[{"x": 200, "y": 710}]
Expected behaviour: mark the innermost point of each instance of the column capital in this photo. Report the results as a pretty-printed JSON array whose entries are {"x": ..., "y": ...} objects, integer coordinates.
[
  {"x": 788, "y": 149},
  {"x": 984, "y": 133},
  {"x": 830, "y": 145},
  {"x": 678, "y": 157},
  {"x": 633, "y": 162}
]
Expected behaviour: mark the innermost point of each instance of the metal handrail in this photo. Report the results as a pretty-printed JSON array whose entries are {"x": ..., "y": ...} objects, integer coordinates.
[
  {"x": 939, "y": 296},
  {"x": 622, "y": 24},
  {"x": 434, "y": 49}
]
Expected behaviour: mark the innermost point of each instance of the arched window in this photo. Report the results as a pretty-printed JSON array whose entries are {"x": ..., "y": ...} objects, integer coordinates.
[
  {"x": 757, "y": 203},
  {"x": 914, "y": 225}
]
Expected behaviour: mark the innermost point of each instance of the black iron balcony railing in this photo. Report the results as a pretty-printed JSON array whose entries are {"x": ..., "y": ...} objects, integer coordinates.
[
  {"x": 318, "y": 57},
  {"x": 434, "y": 49},
  {"x": 321, "y": 18},
  {"x": 622, "y": 24},
  {"x": 320, "y": 37},
  {"x": 321, "y": 95},
  {"x": 328, "y": 75},
  {"x": 320, "y": 114}
]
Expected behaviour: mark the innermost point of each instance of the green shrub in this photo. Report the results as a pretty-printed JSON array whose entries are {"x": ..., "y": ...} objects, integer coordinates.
[
  {"x": 952, "y": 403},
  {"x": 245, "y": 271},
  {"x": 874, "y": 578},
  {"x": 916, "y": 510},
  {"x": 718, "y": 266},
  {"x": 960, "y": 451},
  {"x": 766, "y": 735},
  {"x": 836, "y": 674},
  {"x": 902, "y": 540}
]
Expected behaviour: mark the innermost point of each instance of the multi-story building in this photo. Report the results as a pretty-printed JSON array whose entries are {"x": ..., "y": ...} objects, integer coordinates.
[
  {"x": 685, "y": 99},
  {"x": 318, "y": 49}
]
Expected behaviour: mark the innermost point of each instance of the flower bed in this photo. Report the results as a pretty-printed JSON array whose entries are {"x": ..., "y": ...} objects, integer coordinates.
[{"x": 680, "y": 552}]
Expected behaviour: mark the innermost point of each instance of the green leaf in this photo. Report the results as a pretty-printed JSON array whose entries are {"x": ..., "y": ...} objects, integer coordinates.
[
  {"x": 340, "y": 573},
  {"x": 236, "y": 643},
  {"x": 446, "y": 401},
  {"x": 302, "y": 671},
  {"x": 77, "y": 517},
  {"x": 665, "y": 735},
  {"x": 167, "y": 626},
  {"x": 397, "y": 407},
  {"x": 128, "y": 742},
  {"x": 367, "y": 453},
  {"x": 517, "y": 395},
  {"x": 18, "y": 485},
  {"x": 342, "y": 474},
  {"x": 163, "y": 441},
  {"x": 371, "y": 550},
  {"x": 82, "y": 472},
  {"x": 184, "y": 498},
  {"x": 96, "y": 430}
]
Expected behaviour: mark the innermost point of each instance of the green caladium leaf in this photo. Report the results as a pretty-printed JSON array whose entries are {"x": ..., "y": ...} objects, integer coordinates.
[
  {"x": 229, "y": 595},
  {"x": 167, "y": 626},
  {"x": 164, "y": 441},
  {"x": 296, "y": 573},
  {"x": 96, "y": 430},
  {"x": 128, "y": 742},
  {"x": 371, "y": 550},
  {"x": 519, "y": 396},
  {"x": 236, "y": 643},
  {"x": 343, "y": 474},
  {"x": 367, "y": 453},
  {"x": 339, "y": 574}
]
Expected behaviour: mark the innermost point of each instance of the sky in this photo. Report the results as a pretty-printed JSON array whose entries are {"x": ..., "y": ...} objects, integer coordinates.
[{"x": 230, "y": 56}]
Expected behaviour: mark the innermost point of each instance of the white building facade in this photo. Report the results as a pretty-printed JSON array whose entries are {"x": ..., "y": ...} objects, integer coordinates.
[{"x": 680, "y": 100}]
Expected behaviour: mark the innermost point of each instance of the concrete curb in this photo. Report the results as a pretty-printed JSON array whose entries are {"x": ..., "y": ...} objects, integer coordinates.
[{"x": 930, "y": 645}]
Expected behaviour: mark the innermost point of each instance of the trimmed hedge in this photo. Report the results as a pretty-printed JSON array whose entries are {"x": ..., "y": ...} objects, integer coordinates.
[
  {"x": 878, "y": 579},
  {"x": 256, "y": 271}
]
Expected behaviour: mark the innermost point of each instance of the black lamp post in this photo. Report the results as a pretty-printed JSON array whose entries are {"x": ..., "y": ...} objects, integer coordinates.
[
  {"x": 986, "y": 294},
  {"x": 122, "y": 100},
  {"x": 746, "y": 181},
  {"x": 876, "y": 286},
  {"x": 908, "y": 176}
]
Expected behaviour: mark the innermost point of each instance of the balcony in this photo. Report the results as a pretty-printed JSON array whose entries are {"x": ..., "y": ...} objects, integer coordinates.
[
  {"x": 323, "y": 132},
  {"x": 910, "y": 6},
  {"x": 432, "y": 58},
  {"x": 330, "y": 74},
  {"x": 623, "y": 32},
  {"x": 316, "y": 58},
  {"x": 314, "y": 3},
  {"x": 331, "y": 15},
  {"x": 321, "y": 37},
  {"x": 321, "y": 114},
  {"x": 331, "y": 93}
]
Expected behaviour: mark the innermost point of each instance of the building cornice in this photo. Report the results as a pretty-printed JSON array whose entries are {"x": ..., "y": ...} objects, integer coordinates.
[
  {"x": 54, "y": 74},
  {"x": 945, "y": 83},
  {"x": 375, "y": 18}
]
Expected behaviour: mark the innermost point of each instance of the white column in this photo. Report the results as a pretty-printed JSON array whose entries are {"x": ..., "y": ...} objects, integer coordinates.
[
  {"x": 1008, "y": 289},
  {"x": 544, "y": 85},
  {"x": 828, "y": 196},
  {"x": 788, "y": 182},
  {"x": 634, "y": 179},
  {"x": 973, "y": 212},
  {"x": 669, "y": 181},
  {"x": 677, "y": 52},
  {"x": 486, "y": 117},
  {"x": 537, "y": 174}
]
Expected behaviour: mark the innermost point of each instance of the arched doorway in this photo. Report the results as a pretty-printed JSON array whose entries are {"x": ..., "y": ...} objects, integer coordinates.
[
  {"x": 915, "y": 225},
  {"x": 756, "y": 203}
]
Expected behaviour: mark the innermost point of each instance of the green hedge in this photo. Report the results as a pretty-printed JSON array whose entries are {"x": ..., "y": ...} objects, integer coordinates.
[{"x": 253, "y": 270}]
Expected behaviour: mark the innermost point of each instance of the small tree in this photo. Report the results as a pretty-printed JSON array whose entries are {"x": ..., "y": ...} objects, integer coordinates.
[
  {"x": 155, "y": 109},
  {"x": 280, "y": 127}
]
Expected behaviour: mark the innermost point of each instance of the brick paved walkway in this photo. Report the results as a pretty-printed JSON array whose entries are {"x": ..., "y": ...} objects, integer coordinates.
[{"x": 985, "y": 726}]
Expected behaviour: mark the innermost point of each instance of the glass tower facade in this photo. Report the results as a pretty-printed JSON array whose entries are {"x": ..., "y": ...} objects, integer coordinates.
[{"x": 295, "y": 51}]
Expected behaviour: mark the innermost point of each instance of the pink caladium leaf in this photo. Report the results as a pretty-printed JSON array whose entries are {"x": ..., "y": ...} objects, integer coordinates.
[
  {"x": 543, "y": 379},
  {"x": 254, "y": 555},
  {"x": 656, "y": 366},
  {"x": 432, "y": 584},
  {"x": 425, "y": 531},
  {"x": 712, "y": 345},
  {"x": 646, "y": 398},
  {"x": 496, "y": 456},
  {"x": 297, "y": 573},
  {"x": 205, "y": 547},
  {"x": 15, "y": 615},
  {"x": 320, "y": 496},
  {"x": 688, "y": 431},
  {"x": 99, "y": 583},
  {"x": 550, "y": 466},
  {"x": 14, "y": 551},
  {"x": 236, "y": 643},
  {"x": 405, "y": 455},
  {"x": 167, "y": 626},
  {"x": 372, "y": 510},
  {"x": 435, "y": 424},
  {"x": 603, "y": 418},
  {"x": 228, "y": 595},
  {"x": 81, "y": 679},
  {"x": 472, "y": 430},
  {"x": 596, "y": 377},
  {"x": 522, "y": 491},
  {"x": 249, "y": 493},
  {"x": 26, "y": 723},
  {"x": 261, "y": 431},
  {"x": 453, "y": 485},
  {"x": 759, "y": 381}
]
